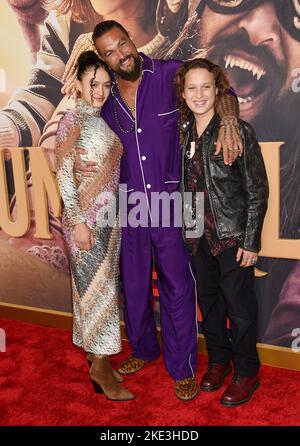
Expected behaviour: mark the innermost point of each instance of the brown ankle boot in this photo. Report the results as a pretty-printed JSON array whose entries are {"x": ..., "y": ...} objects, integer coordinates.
[
  {"x": 89, "y": 357},
  {"x": 103, "y": 379}
]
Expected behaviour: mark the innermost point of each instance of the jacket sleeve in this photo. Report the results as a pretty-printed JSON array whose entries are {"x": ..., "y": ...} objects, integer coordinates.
[
  {"x": 67, "y": 135},
  {"x": 255, "y": 183}
]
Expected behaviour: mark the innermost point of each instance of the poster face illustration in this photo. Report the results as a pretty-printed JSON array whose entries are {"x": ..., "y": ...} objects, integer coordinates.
[{"x": 256, "y": 41}]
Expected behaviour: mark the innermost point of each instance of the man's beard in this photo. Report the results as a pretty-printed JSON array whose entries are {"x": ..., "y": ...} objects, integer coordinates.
[{"x": 136, "y": 71}]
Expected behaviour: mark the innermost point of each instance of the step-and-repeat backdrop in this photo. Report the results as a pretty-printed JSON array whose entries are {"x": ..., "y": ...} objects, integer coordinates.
[{"x": 257, "y": 42}]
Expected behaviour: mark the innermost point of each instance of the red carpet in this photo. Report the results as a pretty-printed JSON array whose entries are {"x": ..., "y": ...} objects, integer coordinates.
[{"x": 44, "y": 381}]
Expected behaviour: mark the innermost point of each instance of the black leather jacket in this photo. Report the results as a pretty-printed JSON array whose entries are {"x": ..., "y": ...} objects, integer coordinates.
[{"x": 238, "y": 194}]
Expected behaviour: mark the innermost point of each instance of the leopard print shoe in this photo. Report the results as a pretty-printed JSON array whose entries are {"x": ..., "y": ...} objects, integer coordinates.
[
  {"x": 132, "y": 365},
  {"x": 186, "y": 389}
]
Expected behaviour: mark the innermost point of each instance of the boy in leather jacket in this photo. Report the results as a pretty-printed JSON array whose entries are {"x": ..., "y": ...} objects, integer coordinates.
[{"x": 224, "y": 256}]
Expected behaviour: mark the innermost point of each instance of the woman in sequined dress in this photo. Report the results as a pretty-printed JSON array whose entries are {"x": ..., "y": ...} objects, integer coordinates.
[{"x": 91, "y": 224}]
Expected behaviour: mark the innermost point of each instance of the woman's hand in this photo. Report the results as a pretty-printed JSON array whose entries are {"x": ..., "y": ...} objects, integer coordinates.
[
  {"x": 84, "y": 168},
  {"x": 248, "y": 258},
  {"x": 83, "y": 236}
]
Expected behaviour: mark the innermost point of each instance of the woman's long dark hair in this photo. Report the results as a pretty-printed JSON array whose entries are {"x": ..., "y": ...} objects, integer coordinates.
[{"x": 89, "y": 59}]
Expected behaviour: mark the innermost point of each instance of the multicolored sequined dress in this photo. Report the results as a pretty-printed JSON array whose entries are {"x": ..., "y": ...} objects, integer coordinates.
[{"x": 93, "y": 200}]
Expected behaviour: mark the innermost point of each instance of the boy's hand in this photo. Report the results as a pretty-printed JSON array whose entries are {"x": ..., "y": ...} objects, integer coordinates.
[{"x": 249, "y": 258}]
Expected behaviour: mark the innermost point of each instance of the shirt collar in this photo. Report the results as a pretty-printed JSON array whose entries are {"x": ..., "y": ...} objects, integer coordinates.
[
  {"x": 148, "y": 64},
  {"x": 190, "y": 125}
]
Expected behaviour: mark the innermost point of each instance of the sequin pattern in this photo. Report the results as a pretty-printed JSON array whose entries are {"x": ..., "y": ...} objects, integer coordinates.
[{"x": 94, "y": 273}]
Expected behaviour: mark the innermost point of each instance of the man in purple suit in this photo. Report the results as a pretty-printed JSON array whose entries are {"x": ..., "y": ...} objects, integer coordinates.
[{"x": 142, "y": 110}]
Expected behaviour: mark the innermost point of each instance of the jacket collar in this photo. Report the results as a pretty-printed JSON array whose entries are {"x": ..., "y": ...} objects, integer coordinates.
[{"x": 188, "y": 125}]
